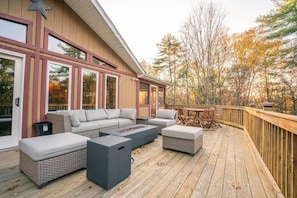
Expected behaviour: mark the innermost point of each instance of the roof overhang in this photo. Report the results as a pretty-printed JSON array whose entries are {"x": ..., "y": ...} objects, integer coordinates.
[
  {"x": 152, "y": 79},
  {"x": 93, "y": 14}
]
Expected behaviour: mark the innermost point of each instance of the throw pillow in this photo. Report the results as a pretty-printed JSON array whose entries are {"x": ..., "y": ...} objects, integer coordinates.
[
  {"x": 80, "y": 114},
  {"x": 74, "y": 120}
]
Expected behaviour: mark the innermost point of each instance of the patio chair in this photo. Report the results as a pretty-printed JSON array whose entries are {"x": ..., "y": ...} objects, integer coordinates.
[
  {"x": 184, "y": 119},
  {"x": 207, "y": 118},
  {"x": 217, "y": 116}
]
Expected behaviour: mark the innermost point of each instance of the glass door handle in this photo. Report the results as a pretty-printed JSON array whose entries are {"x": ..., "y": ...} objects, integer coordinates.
[{"x": 17, "y": 101}]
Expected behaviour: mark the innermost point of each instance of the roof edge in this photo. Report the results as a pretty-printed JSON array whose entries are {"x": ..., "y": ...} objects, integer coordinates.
[{"x": 110, "y": 24}]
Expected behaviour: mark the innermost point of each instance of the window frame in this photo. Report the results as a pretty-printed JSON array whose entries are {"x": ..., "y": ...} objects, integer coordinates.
[
  {"x": 160, "y": 90},
  {"x": 47, "y": 85},
  {"x": 27, "y": 23},
  {"x": 66, "y": 42},
  {"x": 117, "y": 90},
  {"x": 101, "y": 63},
  {"x": 147, "y": 101},
  {"x": 82, "y": 91}
]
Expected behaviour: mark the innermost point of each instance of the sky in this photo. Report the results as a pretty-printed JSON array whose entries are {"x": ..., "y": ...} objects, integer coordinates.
[{"x": 143, "y": 23}]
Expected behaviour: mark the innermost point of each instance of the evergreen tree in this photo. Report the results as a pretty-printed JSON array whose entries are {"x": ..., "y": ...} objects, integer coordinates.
[
  {"x": 282, "y": 24},
  {"x": 168, "y": 54}
]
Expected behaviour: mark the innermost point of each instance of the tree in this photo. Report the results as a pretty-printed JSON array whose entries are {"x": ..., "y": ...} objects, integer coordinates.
[
  {"x": 252, "y": 59},
  {"x": 169, "y": 50},
  {"x": 282, "y": 24},
  {"x": 201, "y": 35}
]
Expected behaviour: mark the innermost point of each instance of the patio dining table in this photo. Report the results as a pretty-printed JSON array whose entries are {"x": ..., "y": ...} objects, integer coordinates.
[{"x": 197, "y": 111}]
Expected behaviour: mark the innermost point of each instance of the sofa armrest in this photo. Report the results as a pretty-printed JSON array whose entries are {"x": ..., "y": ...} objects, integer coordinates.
[{"x": 61, "y": 123}]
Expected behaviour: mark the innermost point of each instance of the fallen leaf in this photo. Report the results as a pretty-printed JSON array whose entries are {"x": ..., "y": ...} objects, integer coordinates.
[
  {"x": 236, "y": 186},
  {"x": 13, "y": 187}
]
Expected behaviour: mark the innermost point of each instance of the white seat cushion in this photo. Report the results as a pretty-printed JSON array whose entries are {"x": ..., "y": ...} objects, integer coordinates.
[
  {"x": 161, "y": 121},
  {"x": 183, "y": 132},
  {"x": 44, "y": 147}
]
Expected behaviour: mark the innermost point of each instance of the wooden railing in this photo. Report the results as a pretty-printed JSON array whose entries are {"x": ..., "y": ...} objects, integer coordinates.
[{"x": 275, "y": 137}]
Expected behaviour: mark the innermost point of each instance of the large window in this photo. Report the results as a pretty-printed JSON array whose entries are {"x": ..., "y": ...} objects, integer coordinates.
[
  {"x": 144, "y": 93},
  {"x": 89, "y": 89},
  {"x": 58, "y": 87},
  {"x": 61, "y": 47},
  {"x": 13, "y": 30},
  {"x": 161, "y": 95},
  {"x": 111, "y": 92}
]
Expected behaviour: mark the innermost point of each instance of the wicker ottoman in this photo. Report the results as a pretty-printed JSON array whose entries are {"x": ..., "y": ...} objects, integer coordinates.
[
  {"x": 183, "y": 138},
  {"x": 46, "y": 158}
]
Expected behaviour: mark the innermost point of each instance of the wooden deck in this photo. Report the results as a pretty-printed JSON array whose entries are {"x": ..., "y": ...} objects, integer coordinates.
[{"x": 227, "y": 166}]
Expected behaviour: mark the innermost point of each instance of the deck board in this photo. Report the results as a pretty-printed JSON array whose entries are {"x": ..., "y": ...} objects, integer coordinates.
[{"x": 227, "y": 165}]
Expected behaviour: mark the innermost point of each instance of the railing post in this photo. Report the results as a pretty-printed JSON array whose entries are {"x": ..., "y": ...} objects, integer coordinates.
[{"x": 267, "y": 106}]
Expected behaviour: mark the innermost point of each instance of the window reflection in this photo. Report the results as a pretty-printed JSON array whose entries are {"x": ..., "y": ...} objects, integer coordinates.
[
  {"x": 143, "y": 93},
  {"x": 102, "y": 63},
  {"x": 61, "y": 47},
  {"x": 7, "y": 68},
  {"x": 13, "y": 30},
  {"x": 111, "y": 92},
  {"x": 161, "y": 95},
  {"x": 89, "y": 90},
  {"x": 58, "y": 89}
]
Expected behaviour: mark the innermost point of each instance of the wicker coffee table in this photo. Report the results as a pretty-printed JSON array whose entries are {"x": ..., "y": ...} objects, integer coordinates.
[{"x": 139, "y": 133}]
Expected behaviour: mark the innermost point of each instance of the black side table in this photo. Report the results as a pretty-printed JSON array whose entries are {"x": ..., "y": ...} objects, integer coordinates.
[
  {"x": 42, "y": 128},
  {"x": 108, "y": 160}
]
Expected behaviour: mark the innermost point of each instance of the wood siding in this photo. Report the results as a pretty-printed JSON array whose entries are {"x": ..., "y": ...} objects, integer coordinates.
[
  {"x": 65, "y": 24},
  {"x": 144, "y": 111}
]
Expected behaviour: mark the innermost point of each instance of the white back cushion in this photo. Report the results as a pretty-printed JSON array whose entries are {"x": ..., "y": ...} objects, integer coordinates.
[
  {"x": 128, "y": 113},
  {"x": 166, "y": 113},
  {"x": 113, "y": 113},
  {"x": 97, "y": 114}
]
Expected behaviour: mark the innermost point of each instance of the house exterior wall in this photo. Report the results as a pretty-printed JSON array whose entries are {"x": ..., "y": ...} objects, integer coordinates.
[{"x": 66, "y": 25}]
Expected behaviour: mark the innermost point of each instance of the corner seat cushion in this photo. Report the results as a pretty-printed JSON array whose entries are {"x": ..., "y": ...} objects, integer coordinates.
[
  {"x": 106, "y": 123},
  {"x": 124, "y": 121},
  {"x": 161, "y": 121},
  {"x": 44, "y": 147},
  {"x": 182, "y": 132}
]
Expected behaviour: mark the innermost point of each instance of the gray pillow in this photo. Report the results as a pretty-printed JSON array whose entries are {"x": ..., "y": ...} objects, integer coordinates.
[
  {"x": 80, "y": 114},
  {"x": 74, "y": 120},
  {"x": 128, "y": 113}
]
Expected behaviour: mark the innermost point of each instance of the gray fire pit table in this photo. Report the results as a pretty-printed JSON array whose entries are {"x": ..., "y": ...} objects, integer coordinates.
[{"x": 139, "y": 133}]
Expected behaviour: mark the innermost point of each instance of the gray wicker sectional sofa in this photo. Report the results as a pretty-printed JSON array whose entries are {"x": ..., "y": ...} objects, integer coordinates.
[{"x": 88, "y": 122}]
